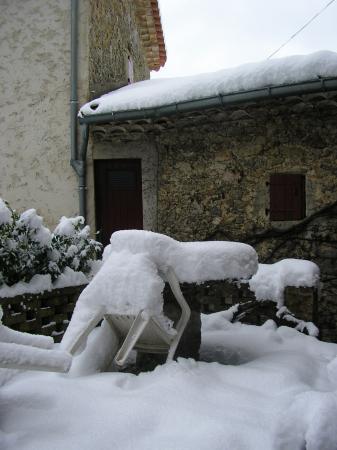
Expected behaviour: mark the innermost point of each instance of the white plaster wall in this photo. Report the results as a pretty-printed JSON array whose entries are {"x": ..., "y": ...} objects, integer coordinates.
[
  {"x": 147, "y": 152},
  {"x": 34, "y": 105}
]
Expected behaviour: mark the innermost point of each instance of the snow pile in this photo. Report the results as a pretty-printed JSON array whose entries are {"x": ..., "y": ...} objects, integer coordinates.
[
  {"x": 271, "y": 279},
  {"x": 34, "y": 223},
  {"x": 37, "y": 284},
  {"x": 71, "y": 226},
  {"x": 127, "y": 283},
  {"x": 159, "y": 92},
  {"x": 18, "y": 356},
  {"x": 301, "y": 325},
  {"x": 26, "y": 351},
  {"x": 70, "y": 277},
  {"x": 41, "y": 283},
  {"x": 193, "y": 262},
  {"x": 269, "y": 388}
]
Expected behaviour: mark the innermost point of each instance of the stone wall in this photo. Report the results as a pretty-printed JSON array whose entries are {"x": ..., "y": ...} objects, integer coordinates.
[
  {"x": 47, "y": 313},
  {"x": 215, "y": 296},
  {"x": 213, "y": 183},
  {"x": 213, "y": 177},
  {"x": 113, "y": 37}
]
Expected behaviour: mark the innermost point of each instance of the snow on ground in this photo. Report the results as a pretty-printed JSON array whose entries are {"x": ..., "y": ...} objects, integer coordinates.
[
  {"x": 159, "y": 92},
  {"x": 266, "y": 388}
]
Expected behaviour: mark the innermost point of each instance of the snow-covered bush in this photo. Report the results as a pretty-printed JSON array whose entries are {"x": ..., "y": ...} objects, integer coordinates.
[
  {"x": 24, "y": 245},
  {"x": 72, "y": 246},
  {"x": 28, "y": 248}
]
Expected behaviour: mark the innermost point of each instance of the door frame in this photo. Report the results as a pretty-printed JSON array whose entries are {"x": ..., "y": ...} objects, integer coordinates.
[{"x": 102, "y": 166}]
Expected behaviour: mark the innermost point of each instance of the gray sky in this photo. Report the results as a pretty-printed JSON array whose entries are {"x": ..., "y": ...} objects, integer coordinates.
[{"x": 209, "y": 35}]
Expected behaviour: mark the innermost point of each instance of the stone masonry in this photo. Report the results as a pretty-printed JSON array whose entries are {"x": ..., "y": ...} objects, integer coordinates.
[
  {"x": 212, "y": 174},
  {"x": 113, "y": 37},
  {"x": 213, "y": 183}
]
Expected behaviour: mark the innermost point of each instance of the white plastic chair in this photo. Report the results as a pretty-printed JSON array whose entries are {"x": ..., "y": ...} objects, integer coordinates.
[
  {"x": 142, "y": 332},
  {"x": 146, "y": 333}
]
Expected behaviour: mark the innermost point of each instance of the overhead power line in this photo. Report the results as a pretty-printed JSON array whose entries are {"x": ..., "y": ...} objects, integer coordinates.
[{"x": 302, "y": 28}]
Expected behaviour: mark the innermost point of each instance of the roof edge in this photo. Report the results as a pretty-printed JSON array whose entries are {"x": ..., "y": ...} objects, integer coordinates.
[
  {"x": 285, "y": 90},
  {"x": 151, "y": 33}
]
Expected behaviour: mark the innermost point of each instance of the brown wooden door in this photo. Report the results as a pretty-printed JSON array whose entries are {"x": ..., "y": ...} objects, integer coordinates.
[{"x": 118, "y": 196}]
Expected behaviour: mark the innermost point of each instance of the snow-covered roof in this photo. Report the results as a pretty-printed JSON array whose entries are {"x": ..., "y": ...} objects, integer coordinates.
[{"x": 157, "y": 93}]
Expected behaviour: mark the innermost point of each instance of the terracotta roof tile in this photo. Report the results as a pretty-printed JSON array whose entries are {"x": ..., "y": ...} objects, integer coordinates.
[{"x": 151, "y": 32}]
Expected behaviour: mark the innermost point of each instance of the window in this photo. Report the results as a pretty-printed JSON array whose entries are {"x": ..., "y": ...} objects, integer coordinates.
[{"x": 287, "y": 196}]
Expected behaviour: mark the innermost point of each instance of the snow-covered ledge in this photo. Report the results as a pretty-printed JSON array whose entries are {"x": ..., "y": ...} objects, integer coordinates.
[
  {"x": 47, "y": 312},
  {"x": 42, "y": 283},
  {"x": 271, "y": 280}
]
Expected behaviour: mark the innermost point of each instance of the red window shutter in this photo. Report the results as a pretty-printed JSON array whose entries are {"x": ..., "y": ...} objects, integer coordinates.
[{"x": 287, "y": 196}]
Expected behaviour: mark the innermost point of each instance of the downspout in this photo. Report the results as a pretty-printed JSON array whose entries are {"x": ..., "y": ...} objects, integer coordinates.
[
  {"x": 77, "y": 156},
  {"x": 82, "y": 170}
]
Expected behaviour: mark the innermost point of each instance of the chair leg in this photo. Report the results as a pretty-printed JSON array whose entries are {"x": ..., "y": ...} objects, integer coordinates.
[
  {"x": 185, "y": 312},
  {"x": 100, "y": 349},
  {"x": 78, "y": 330},
  {"x": 132, "y": 337}
]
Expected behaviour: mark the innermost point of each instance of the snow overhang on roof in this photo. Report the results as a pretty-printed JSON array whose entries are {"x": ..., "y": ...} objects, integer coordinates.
[
  {"x": 151, "y": 32},
  {"x": 294, "y": 75}
]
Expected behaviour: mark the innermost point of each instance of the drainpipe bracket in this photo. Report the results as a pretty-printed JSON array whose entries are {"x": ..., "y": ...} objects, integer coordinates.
[{"x": 78, "y": 166}]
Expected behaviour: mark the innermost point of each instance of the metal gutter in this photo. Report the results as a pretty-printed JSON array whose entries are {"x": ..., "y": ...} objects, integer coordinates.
[
  {"x": 308, "y": 87},
  {"x": 78, "y": 156}
]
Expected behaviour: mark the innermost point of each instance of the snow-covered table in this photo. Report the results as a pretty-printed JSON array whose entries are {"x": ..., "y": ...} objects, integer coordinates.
[{"x": 131, "y": 283}]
